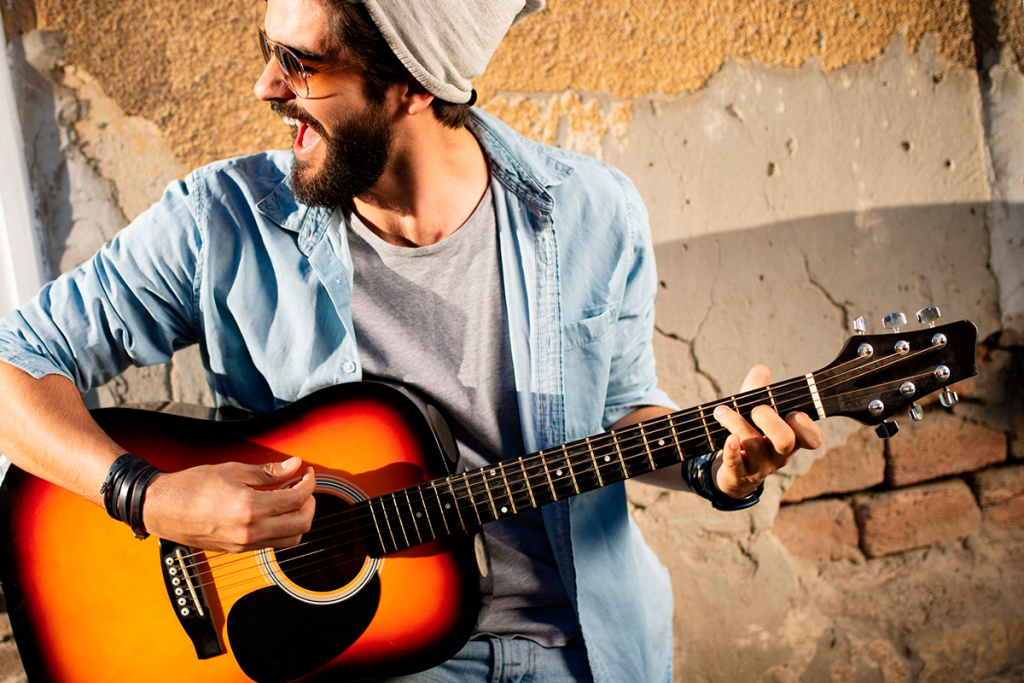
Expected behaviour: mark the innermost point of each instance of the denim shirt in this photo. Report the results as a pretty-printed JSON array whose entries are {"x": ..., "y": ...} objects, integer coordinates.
[{"x": 228, "y": 259}]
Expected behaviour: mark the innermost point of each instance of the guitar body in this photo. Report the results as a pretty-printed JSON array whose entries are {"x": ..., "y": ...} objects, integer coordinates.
[{"x": 88, "y": 602}]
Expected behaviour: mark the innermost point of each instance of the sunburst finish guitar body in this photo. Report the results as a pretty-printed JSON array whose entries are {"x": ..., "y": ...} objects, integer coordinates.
[
  {"x": 91, "y": 604},
  {"x": 387, "y": 580}
]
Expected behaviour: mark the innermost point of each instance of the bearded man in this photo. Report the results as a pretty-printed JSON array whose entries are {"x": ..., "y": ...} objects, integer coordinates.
[{"x": 407, "y": 237}]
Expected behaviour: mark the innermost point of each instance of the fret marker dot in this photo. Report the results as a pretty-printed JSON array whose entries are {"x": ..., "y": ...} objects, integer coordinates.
[
  {"x": 558, "y": 472},
  {"x": 447, "y": 506},
  {"x": 494, "y": 473},
  {"x": 607, "y": 458},
  {"x": 661, "y": 442},
  {"x": 418, "y": 515},
  {"x": 504, "y": 510}
]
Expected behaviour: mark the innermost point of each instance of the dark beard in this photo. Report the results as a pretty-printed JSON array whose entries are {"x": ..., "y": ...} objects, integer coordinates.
[{"x": 357, "y": 152}]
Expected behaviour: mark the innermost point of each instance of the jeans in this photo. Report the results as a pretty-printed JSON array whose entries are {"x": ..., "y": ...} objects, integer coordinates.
[{"x": 509, "y": 661}]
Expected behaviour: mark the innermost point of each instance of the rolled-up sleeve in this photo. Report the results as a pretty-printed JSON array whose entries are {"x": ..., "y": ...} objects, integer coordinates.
[
  {"x": 633, "y": 381},
  {"x": 133, "y": 303}
]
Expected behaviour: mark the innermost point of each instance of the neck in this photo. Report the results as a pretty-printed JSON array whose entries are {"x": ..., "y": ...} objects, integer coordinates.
[
  {"x": 463, "y": 501},
  {"x": 433, "y": 183}
]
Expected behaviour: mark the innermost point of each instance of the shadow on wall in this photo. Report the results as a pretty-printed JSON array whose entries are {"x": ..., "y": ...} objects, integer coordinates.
[{"x": 786, "y": 294}]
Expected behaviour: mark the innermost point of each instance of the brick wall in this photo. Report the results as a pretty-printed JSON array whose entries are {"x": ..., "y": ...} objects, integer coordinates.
[{"x": 938, "y": 480}]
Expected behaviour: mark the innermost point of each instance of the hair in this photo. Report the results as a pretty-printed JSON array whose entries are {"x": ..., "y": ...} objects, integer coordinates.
[{"x": 355, "y": 31}]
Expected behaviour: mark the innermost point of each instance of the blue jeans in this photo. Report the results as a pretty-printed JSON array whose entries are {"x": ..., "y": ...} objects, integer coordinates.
[{"x": 509, "y": 661}]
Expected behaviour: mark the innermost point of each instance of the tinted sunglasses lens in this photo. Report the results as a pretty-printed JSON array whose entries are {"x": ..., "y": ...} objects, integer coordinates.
[
  {"x": 264, "y": 47},
  {"x": 292, "y": 69}
]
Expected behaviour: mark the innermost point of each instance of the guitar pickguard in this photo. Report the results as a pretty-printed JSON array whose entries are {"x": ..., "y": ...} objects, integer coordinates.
[{"x": 276, "y": 638}]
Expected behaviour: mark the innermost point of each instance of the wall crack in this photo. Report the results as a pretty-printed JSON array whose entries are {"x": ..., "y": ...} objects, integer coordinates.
[{"x": 841, "y": 307}]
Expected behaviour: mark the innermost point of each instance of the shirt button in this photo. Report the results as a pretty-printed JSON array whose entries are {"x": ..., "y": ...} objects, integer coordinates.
[{"x": 349, "y": 367}]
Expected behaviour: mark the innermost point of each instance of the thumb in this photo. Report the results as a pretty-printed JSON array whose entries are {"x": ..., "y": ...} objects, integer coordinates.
[{"x": 271, "y": 473}]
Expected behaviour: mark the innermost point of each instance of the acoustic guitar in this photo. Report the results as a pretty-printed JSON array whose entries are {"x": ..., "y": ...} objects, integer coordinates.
[{"x": 387, "y": 581}]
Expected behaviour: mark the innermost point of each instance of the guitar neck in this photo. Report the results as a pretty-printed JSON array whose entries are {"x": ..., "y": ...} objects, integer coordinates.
[{"x": 440, "y": 507}]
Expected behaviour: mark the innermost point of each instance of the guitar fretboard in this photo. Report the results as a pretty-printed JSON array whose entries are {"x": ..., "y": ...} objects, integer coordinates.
[{"x": 464, "y": 501}]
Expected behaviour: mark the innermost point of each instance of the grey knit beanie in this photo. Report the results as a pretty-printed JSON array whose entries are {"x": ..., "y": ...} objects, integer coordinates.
[{"x": 445, "y": 44}]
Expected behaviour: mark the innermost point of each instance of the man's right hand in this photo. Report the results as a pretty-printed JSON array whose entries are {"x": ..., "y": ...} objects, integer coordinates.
[{"x": 228, "y": 507}]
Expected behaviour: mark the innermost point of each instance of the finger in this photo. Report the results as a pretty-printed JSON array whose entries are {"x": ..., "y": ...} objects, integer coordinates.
[
  {"x": 268, "y": 474},
  {"x": 808, "y": 433},
  {"x": 735, "y": 423},
  {"x": 282, "y": 531},
  {"x": 282, "y": 501},
  {"x": 777, "y": 431},
  {"x": 733, "y": 460},
  {"x": 757, "y": 377}
]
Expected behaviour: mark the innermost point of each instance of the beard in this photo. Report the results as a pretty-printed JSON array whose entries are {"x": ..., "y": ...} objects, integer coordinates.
[{"x": 356, "y": 154}]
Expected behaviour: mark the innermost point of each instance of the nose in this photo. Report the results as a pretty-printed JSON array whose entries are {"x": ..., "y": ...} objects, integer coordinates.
[{"x": 270, "y": 86}]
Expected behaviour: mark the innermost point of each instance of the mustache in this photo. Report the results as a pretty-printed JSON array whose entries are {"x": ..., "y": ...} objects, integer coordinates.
[{"x": 290, "y": 111}]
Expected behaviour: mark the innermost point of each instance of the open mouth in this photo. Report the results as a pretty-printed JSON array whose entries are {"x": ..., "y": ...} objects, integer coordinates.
[{"x": 306, "y": 138}]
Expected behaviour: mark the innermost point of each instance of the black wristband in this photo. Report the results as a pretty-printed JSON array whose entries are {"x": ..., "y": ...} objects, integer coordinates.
[
  {"x": 109, "y": 490},
  {"x": 699, "y": 477},
  {"x": 138, "y": 528},
  {"x": 124, "y": 491}
]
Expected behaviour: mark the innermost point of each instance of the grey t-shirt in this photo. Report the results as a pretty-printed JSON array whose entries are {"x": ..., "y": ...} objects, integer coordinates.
[{"x": 434, "y": 319}]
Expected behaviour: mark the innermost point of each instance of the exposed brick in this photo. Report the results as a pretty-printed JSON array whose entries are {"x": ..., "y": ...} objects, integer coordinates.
[
  {"x": 940, "y": 445},
  {"x": 1001, "y": 494},
  {"x": 856, "y": 465},
  {"x": 818, "y": 529},
  {"x": 894, "y": 521}
]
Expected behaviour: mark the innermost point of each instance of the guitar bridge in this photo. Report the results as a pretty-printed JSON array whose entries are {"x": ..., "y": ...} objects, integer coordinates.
[{"x": 185, "y": 589}]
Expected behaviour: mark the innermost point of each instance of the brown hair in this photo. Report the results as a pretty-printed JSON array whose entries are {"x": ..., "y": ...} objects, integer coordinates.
[{"x": 355, "y": 31}]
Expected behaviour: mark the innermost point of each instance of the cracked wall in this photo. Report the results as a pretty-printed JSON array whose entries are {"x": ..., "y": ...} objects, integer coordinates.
[{"x": 802, "y": 163}]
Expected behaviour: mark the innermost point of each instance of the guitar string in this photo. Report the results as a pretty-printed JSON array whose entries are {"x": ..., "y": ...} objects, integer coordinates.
[
  {"x": 535, "y": 463},
  {"x": 466, "y": 485},
  {"x": 583, "y": 457},
  {"x": 291, "y": 575}
]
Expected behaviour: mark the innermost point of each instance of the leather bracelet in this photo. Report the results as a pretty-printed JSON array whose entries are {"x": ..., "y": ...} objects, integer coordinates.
[
  {"x": 124, "y": 491},
  {"x": 699, "y": 477},
  {"x": 108, "y": 489},
  {"x": 135, "y": 522}
]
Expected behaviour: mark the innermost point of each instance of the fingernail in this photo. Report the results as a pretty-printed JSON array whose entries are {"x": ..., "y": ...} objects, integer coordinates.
[
  {"x": 291, "y": 462},
  {"x": 720, "y": 411}
]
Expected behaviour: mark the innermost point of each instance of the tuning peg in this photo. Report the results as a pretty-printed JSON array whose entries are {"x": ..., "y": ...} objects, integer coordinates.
[
  {"x": 916, "y": 413},
  {"x": 948, "y": 398},
  {"x": 860, "y": 325},
  {"x": 928, "y": 315},
  {"x": 887, "y": 429},
  {"x": 894, "y": 321}
]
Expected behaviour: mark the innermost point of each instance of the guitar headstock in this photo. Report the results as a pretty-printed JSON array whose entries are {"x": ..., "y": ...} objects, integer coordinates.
[{"x": 876, "y": 376}]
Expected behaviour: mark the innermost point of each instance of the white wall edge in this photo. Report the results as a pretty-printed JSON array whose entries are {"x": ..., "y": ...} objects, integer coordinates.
[{"x": 22, "y": 270}]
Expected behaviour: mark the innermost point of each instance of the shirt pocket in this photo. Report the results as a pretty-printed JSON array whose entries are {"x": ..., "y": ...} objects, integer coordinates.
[{"x": 589, "y": 330}]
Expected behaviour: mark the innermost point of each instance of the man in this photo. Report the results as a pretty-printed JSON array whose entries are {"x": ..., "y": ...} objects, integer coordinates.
[{"x": 512, "y": 282}]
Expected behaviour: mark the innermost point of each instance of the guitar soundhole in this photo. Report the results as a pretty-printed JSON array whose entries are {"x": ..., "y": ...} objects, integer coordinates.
[{"x": 331, "y": 554}]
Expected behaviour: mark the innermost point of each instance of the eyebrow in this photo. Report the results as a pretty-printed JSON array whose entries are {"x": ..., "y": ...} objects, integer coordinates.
[{"x": 308, "y": 56}]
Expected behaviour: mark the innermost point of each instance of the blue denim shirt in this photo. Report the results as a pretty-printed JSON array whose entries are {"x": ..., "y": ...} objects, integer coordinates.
[{"x": 229, "y": 260}]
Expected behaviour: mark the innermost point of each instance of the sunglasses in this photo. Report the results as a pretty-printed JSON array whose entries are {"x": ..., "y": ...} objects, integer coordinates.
[{"x": 296, "y": 75}]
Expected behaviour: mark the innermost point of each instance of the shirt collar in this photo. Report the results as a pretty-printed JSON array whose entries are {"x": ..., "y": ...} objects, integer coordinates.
[{"x": 523, "y": 166}]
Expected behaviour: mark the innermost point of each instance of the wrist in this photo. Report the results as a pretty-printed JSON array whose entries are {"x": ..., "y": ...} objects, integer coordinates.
[
  {"x": 700, "y": 475},
  {"x": 726, "y": 491}
]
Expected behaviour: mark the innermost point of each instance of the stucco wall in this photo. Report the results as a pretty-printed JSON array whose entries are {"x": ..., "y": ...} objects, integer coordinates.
[{"x": 803, "y": 163}]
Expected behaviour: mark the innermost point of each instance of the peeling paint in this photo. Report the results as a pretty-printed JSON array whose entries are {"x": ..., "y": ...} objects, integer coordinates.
[{"x": 566, "y": 119}]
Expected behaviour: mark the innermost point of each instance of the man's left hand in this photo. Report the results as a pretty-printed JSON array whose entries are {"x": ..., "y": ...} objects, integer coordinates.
[{"x": 753, "y": 451}]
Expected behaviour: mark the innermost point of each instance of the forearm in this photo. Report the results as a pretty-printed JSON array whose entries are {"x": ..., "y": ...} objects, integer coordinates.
[{"x": 45, "y": 429}]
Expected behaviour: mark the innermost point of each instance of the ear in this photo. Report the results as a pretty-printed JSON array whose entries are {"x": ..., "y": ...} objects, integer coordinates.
[{"x": 415, "y": 97}]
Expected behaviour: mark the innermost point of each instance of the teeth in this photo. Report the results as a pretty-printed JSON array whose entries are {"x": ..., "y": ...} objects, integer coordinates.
[{"x": 290, "y": 122}]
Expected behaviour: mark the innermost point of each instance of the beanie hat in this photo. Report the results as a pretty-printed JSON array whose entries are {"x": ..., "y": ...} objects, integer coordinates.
[{"x": 445, "y": 44}]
